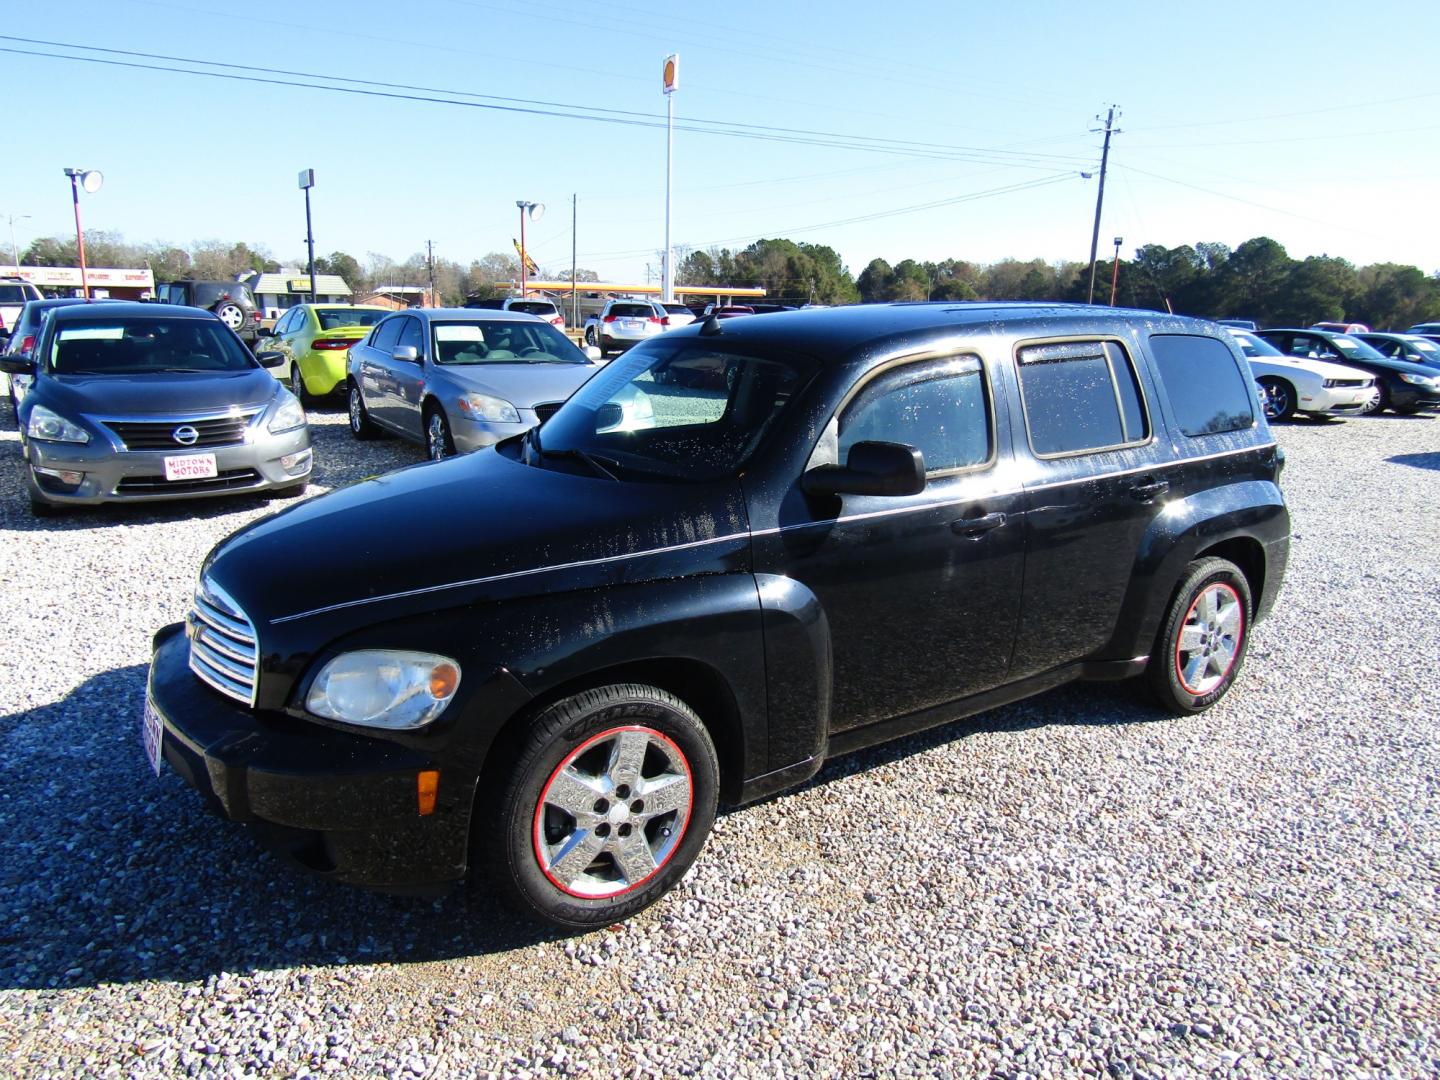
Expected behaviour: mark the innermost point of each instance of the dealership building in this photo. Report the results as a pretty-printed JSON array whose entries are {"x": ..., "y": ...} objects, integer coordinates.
[{"x": 105, "y": 282}]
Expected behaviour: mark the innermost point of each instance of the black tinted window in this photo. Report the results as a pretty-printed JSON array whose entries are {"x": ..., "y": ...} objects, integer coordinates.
[
  {"x": 937, "y": 407},
  {"x": 1080, "y": 395},
  {"x": 1207, "y": 391},
  {"x": 411, "y": 337},
  {"x": 333, "y": 318},
  {"x": 631, "y": 311}
]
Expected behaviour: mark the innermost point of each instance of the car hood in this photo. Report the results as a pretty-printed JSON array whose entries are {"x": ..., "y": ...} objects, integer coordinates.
[
  {"x": 523, "y": 385},
  {"x": 1324, "y": 369},
  {"x": 158, "y": 393},
  {"x": 466, "y": 530}
]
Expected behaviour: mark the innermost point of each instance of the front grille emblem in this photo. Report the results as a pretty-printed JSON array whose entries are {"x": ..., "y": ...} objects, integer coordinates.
[{"x": 185, "y": 435}]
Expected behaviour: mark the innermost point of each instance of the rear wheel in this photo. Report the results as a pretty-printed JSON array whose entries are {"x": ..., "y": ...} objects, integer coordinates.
[
  {"x": 1201, "y": 645},
  {"x": 361, "y": 426},
  {"x": 608, "y": 803}
]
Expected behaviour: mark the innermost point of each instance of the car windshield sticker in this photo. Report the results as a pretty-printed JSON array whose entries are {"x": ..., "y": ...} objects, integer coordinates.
[{"x": 459, "y": 332}]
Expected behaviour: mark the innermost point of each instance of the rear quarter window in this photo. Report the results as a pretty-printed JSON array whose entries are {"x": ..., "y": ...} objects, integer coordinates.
[
  {"x": 1208, "y": 393},
  {"x": 1080, "y": 397}
]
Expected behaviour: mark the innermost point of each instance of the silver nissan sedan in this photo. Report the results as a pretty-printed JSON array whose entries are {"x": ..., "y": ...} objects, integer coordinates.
[
  {"x": 140, "y": 402},
  {"x": 459, "y": 379}
]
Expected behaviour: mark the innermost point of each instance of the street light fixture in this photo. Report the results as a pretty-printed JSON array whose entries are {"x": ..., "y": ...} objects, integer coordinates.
[
  {"x": 1115, "y": 274},
  {"x": 533, "y": 210},
  {"x": 90, "y": 180}
]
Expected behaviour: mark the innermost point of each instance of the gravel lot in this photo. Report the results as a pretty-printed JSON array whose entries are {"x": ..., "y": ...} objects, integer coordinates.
[{"x": 1072, "y": 884}]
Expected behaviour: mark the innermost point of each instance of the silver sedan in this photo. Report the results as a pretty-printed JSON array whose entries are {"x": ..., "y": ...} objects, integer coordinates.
[{"x": 459, "y": 379}]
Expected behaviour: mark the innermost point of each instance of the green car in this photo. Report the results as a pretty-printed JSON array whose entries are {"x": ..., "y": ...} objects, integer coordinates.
[{"x": 315, "y": 338}]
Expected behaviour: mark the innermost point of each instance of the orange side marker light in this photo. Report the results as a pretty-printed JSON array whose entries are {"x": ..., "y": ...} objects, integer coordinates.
[{"x": 427, "y": 786}]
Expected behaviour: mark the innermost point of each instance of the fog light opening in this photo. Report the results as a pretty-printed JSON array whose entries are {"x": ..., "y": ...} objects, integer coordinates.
[
  {"x": 427, "y": 787},
  {"x": 68, "y": 477},
  {"x": 297, "y": 462}
]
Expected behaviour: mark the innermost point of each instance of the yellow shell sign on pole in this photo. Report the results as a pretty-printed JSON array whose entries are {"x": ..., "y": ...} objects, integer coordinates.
[{"x": 672, "y": 73}]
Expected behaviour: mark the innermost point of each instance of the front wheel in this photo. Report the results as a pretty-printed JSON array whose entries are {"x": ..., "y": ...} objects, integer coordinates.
[
  {"x": 1201, "y": 645},
  {"x": 1279, "y": 398},
  {"x": 438, "y": 443},
  {"x": 610, "y": 801},
  {"x": 1378, "y": 403}
]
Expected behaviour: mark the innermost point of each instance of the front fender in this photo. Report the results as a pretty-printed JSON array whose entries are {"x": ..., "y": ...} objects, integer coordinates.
[{"x": 1251, "y": 513}]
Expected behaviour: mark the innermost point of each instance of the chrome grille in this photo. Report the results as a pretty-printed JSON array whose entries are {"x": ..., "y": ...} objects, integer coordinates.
[
  {"x": 1347, "y": 383},
  {"x": 222, "y": 481},
  {"x": 224, "y": 650},
  {"x": 209, "y": 431}
]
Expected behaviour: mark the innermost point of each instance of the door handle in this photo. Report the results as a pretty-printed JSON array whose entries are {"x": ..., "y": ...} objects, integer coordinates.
[
  {"x": 1147, "y": 492},
  {"x": 973, "y": 528}
]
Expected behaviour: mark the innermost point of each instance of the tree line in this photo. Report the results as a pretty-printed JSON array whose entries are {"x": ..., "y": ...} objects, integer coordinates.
[{"x": 1256, "y": 280}]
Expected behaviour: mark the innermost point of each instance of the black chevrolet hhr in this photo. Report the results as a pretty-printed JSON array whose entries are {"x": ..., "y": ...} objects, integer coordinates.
[{"x": 547, "y": 661}]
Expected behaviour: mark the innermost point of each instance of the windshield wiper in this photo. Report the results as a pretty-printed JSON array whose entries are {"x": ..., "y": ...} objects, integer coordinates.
[{"x": 593, "y": 460}]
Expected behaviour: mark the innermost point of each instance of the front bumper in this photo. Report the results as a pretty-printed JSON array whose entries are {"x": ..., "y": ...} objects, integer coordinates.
[
  {"x": 471, "y": 435},
  {"x": 112, "y": 475},
  {"x": 338, "y": 803},
  {"x": 1339, "y": 400}
]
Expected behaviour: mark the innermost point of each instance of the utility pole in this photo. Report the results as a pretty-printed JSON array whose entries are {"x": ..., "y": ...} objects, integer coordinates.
[
  {"x": 430, "y": 263},
  {"x": 1100, "y": 198}
]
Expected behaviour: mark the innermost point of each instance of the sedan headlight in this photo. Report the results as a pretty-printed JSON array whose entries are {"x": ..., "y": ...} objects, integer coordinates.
[
  {"x": 384, "y": 688},
  {"x": 1416, "y": 380},
  {"x": 50, "y": 426},
  {"x": 289, "y": 414},
  {"x": 492, "y": 410}
]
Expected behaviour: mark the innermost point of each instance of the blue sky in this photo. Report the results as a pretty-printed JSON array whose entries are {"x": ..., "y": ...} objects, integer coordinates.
[{"x": 1309, "y": 122}]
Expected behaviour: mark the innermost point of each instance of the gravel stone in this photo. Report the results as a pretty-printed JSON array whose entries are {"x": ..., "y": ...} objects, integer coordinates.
[{"x": 1072, "y": 885}]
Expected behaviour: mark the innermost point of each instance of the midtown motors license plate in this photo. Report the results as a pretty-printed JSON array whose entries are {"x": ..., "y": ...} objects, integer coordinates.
[
  {"x": 152, "y": 731},
  {"x": 190, "y": 467}
]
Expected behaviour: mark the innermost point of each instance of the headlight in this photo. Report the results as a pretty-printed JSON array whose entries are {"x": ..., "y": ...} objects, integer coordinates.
[
  {"x": 492, "y": 410},
  {"x": 50, "y": 426},
  {"x": 1416, "y": 380},
  {"x": 289, "y": 413},
  {"x": 384, "y": 688}
]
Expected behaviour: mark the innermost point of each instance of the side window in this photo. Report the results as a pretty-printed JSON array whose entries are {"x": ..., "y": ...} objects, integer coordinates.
[
  {"x": 286, "y": 323},
  {"x": 387, "y": 333},
  {"x": 412, "y": 336},
  {"x": 937, "y": 406},
  {"x": 1080, "y": 396},
  {"x": 1202, "y": 379}
]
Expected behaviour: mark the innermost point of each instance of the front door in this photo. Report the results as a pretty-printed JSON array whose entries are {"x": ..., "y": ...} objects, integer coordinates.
[
  {"x": 918, "y": 592},
  {"x": 407, "y": 386}
]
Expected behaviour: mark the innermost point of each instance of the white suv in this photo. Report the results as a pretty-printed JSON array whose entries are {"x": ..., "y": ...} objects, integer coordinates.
[
  {"x": 621, "y": 324},
  {"x": 15, "y": 293}
]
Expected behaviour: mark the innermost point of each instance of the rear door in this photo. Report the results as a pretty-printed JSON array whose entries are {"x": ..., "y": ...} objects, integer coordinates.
[{"x": 1095, "y": 481}]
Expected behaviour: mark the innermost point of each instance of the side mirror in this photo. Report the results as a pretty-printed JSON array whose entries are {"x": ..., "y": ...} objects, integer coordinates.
[
  {"x": 872, "y": 468},
  {"x": 271, "y": 359},
  {"x": 609, "y": 415},
  {"x": 407, "y": 353},
  {"x": 592, "y": 353},
  {"x": 17, "y": 365}
]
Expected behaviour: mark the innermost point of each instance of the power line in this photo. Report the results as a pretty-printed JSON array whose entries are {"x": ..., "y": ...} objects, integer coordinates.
[{"x": 763, "y": 132}]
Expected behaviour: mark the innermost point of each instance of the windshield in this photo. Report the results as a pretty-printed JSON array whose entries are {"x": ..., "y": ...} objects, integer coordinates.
[
  {"x": 1424, "y": 345},
  {"x": 334, "y": 318},
  {"x": 1254, "y": 346},
  {"x": 508, "y": 341},
  {"x": 677, "y": 410},
  {"x": 1354, "y": 347},
  {"x": 533, "y": 307},
  {"x": 131, "y": 346}
]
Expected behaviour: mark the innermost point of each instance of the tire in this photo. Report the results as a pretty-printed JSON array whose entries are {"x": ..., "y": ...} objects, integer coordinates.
[
  {"x": 232, "y": 315},
  {"x": 361, "y": 426},
  {"x": 1202, "y": 642},
  {"x": 297, "y": 383},
  {"x": 590, "y": 335},
  {"x": 633, "y": 857},
  {"x": 438, "y": 443},
  {"x": 1280, "y": 398},
  {"x": 38, "y": 506},
  {"x": 1379, "y": 403},
  {"x": 294, "y": 491}
]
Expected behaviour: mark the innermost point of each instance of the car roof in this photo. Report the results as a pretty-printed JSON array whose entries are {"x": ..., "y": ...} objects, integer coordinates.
[
  {"x": 471, "y": 314},
  {"x": 113, "y": 309},
  {"x": 347, "y": 307},
  {"x": 841, "y": 331}
]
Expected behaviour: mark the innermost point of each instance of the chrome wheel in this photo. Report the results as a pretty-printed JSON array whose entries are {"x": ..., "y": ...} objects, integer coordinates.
[
  {"x": 357, "y": 411},
  {"x": 613, "y": 812},
  {"x": 1209, "y": 639},
  {"x": 437, "y": 438},
  {"x": 1276, "y": 399}
]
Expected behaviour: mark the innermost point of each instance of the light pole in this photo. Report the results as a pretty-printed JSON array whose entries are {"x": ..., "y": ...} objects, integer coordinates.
[
  {"x": 14, "y": 247},
  {"x": 533, "y": 210},
  {"x": 307, "y": 181},
  {"x": 90, "y": 180},
  {"x": 1115, "y": 274},
  {"x": 670, "y": 83}
]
